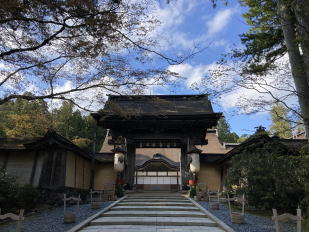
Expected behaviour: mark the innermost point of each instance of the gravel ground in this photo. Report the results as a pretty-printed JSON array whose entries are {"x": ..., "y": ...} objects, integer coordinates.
[
  {"x": 253, "y": 223},
  {"x": 52, "y": 220}
]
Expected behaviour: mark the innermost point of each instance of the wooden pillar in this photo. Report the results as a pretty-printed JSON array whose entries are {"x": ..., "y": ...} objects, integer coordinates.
[
  {"x": 184, "y": 166},
  {"x": 130, "y": 165},
  {"x": 92, "y": 168}
]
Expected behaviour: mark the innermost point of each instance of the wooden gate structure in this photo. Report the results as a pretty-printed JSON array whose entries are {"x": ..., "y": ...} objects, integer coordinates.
[{"x": 157, "y": 121}]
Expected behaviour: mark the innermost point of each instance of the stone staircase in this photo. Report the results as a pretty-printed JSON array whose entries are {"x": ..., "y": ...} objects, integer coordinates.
[{"x": 153, "y": 212}]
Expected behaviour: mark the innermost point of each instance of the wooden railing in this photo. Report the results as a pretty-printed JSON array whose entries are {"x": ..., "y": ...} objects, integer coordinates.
[
  {"x": 95, "y": 192},
  {"x": 237, "y": 217},
  {"x": 65, "y": 199},
  {"x": 19, "y": 218},
  {"x": 287, "y": 217}
]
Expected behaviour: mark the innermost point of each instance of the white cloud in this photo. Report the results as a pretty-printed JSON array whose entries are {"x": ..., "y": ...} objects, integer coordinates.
[
  {"x": 172, "y": 17},
  {"x": 91, "y": 99},
  {"x": 219, "y": 22},
  {"x": 193, "y": 74},
  {"x": 258, "y": 95}
]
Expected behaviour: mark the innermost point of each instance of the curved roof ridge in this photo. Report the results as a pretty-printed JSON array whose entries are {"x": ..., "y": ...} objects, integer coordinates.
[{"x": 159, "y": 158}]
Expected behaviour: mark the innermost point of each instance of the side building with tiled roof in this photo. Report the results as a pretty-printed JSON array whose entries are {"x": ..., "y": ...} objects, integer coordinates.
[{"x": 50, "y": 162}]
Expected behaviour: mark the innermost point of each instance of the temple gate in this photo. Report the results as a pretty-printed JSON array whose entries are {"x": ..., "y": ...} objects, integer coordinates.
[{"x": 172, "y": 123}]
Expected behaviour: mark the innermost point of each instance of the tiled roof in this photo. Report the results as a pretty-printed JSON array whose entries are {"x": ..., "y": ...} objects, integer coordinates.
[
  {"x": 16, "y": 143},
  {"x": 160, "y": 105},
  {"x": 293, "y": 145},
  {"x": 51, "y": 138}
]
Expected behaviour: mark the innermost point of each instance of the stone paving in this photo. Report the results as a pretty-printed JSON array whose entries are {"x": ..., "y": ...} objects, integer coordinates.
[{"x": 153, "y": 213}]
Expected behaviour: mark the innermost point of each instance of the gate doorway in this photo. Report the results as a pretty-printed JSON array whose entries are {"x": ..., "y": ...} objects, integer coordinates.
[
  {"x": 157, "y": 180},
  {"x": 158, "y": 174}
]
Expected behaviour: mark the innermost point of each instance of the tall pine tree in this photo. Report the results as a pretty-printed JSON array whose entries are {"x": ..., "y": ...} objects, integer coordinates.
[
  {"x": 278, "y": 27},
  {"x": 280, "y": 126},
  {"x": 224, "y": 132}
]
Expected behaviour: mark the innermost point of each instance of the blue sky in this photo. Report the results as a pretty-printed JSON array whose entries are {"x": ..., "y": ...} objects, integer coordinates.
[{"x": 186, "y": 24}]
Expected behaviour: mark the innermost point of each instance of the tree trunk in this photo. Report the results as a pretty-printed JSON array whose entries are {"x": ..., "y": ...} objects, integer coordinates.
[
  {"x": 296, "y": 60},
  {"x": 301, "y": 10}
]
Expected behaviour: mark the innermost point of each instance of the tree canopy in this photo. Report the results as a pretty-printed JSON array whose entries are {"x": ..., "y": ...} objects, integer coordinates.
[
  {"x": 280, "y": 188},
  {"x": 278, "y": 29},
  {"x": 224, "y": 132},
  {"x": 23, "y": 118},
  {"x": 57, "y": 48},
  {"x": 281, "y": 125}
]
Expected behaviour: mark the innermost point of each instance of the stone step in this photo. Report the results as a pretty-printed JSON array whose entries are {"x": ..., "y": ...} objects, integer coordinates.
[
  {"x": 155, "y": 200},
  {"x": 142, "y": 213},
  {"x": 167, "y": 194},
  {"x": 156, "y": 208},
  {"x": 157, "y": 221},
  {"x": 141, "y": 228},
  {"x": 133, "y": 203},
  {"x": 155, "y": 196}
]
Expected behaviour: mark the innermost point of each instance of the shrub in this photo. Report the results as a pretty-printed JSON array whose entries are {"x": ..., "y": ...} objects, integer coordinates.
[
  {"x": 28, "y": 197},
  {"x": 8, "y": 192},
  {"x": 271, "y": 178},
  {"x": 192, "y": 192},
  {"x": 13, "y": 196},
  {"x": 119, "y": 190}
]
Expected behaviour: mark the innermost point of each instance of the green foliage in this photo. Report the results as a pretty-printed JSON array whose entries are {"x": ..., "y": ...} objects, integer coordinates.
[
  {"x": 13, "y": 196},
  {"x": 264, "y": 42},
  {"x": 277, "y": 28},
  {"x": 305, "y": 150},
  {"x": 224, "y": 132},
  {"x": 119, "y": 190},
  {"x": 23, "y": 118},
  {"x": 8, "y": 191},
  {"x": 242, "y": 138},
  {"x": 271, "y": 177},
  {"x": 28, "y": 196},
  {"x": 280, "y": 126},
  {"x": 192, "y": 191},
  {"x": 82, "y": 142},
  {"x": 76, "y": 127}
]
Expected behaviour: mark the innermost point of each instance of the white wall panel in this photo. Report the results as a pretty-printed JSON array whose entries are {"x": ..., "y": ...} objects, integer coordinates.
[
  {"x": 153, "y": 180},
  {"x": 173, "y": 180},
  {"x": 160, "y": 180},
  {"x": 140, "y": 180}
]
